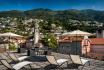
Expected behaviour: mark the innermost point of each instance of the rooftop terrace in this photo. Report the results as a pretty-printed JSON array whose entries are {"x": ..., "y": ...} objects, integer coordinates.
[{"x": 41, "y": 63}]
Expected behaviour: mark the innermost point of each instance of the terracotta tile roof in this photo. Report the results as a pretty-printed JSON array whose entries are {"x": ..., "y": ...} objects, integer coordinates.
[
  {"x": 70, "y": 39},
  {"x": 64, "y": 41},
  {"x": 97, "y": 41}
]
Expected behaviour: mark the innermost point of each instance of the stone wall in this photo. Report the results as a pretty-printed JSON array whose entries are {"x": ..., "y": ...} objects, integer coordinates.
[{"x": 69, "y": 48}]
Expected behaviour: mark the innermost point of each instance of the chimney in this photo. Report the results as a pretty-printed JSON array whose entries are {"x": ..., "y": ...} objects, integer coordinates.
[{"x": 100, "y": 33}]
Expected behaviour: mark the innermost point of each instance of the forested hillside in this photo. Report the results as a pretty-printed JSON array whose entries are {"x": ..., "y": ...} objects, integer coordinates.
[{"x": 87, "y": 20}]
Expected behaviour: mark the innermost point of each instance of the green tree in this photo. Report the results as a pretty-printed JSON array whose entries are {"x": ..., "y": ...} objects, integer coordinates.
[{"x": 50, "y": 40}]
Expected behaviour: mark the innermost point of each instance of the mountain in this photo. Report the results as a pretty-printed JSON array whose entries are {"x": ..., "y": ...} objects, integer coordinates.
[
  {"x": 86, "y": 20},
  {"x": 12, "y": 13},
  {"x": 40, "y": 13},
  {"x": 88, "y": 15}
]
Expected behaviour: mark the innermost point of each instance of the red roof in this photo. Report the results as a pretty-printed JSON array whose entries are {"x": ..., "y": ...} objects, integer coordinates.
[
  {"x": 64, "y": 41},
  {"x": 96, "y": 41}
]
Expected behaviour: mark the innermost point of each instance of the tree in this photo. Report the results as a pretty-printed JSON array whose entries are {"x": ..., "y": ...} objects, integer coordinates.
[{"x": 50, "y": 40}]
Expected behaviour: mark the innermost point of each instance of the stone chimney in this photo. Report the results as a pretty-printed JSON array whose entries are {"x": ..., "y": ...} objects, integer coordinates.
[{"x": 100, "y": 33}]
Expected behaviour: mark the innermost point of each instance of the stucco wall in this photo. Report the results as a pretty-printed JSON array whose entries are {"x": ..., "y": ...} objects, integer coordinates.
[{"x": 97, "y": 49}]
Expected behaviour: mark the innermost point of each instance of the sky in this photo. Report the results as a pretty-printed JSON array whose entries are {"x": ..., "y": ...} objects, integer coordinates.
[{"x": 6, "y": 5}]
